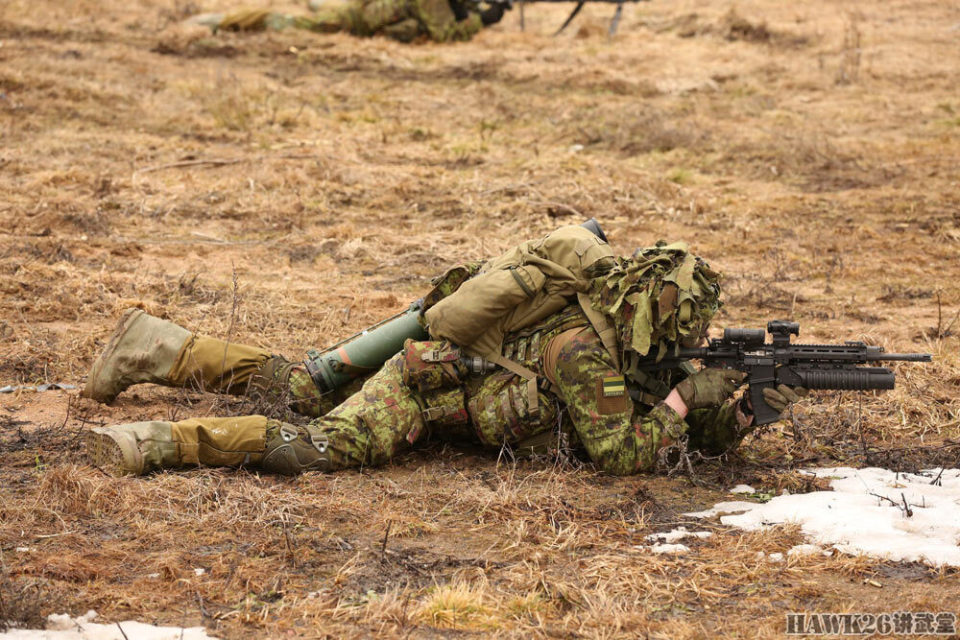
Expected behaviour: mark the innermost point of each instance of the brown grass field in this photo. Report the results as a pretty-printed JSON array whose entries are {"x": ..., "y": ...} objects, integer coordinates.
[{"x": 287, "y": 189}]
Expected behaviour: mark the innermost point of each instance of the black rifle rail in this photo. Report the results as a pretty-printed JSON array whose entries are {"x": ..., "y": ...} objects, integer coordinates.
[{"x": 814, "y": 366}]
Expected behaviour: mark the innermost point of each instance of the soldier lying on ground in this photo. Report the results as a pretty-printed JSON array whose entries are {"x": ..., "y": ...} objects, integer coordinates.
[
  {"x": 403, "y": 20},
  {"x": 565, "y": 320}
]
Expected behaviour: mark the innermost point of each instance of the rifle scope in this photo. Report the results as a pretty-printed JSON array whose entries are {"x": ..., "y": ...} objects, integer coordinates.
[{"x": 746, "y": 337}]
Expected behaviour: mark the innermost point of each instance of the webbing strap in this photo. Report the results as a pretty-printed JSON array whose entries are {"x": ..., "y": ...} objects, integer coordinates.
[
  {"x": 608, "y": 335},
  {"x": 533, "y": 400}
]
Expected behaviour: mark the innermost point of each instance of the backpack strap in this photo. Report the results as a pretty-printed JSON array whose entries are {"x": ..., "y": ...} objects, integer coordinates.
[
  {"x": 600, "y": 324},
  {"x": 533, "y": 400}
]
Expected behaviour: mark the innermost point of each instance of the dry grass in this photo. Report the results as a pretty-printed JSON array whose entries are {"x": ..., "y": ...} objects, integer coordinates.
[{"x": 808, "y": 151}]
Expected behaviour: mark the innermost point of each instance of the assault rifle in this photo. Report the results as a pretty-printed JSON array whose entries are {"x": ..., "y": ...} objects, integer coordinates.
[
  {"x": 614, "y": 22},
  {"x": 814, "y": 366}
]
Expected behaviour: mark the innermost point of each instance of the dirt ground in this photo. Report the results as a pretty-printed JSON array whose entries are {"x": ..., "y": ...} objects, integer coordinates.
[{"x": 288, "y": 189}]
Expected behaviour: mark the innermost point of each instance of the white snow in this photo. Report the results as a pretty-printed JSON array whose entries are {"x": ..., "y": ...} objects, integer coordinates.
[
  {"x": 865, "y": 514},
  {"x": 672, "y": 549},
  {"x": 63, "y": 627},
  {"x": 807, "y": 550},
  {"x": 743, "y": 488},
  {"x": 677, "y": 534}
]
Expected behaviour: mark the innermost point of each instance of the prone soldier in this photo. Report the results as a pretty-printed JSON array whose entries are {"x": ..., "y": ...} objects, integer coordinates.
[
  {"x": 402, "y": 20},
  {"x": 563, "y": 320}
]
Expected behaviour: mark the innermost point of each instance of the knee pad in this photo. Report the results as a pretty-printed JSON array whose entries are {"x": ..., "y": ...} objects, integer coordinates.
[{"x": 291, "y": 449}]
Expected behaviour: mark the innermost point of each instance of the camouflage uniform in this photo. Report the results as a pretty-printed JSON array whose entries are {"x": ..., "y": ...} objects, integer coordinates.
[
  {"x": 402, "y": 20},
  {"x": 582, "y": 400},
  {"x": 561, "y": 377}
]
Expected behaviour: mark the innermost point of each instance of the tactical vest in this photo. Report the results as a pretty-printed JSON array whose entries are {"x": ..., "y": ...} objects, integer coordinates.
[{"x": 499, "y": 403}]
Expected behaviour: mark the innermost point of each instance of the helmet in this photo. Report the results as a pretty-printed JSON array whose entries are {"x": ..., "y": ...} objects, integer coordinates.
[{"x": 659, "y": 297}]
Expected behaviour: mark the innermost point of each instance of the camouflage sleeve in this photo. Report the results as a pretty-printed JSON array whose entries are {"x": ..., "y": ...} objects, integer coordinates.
[
  {"x": 715, "y": 430},
  {"x": 620, "y": 437},
  {"x": 442, "y": 25}
]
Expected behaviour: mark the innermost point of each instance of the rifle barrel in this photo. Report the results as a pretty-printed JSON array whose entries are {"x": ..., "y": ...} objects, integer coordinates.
[{"x": 905, "y": 357}]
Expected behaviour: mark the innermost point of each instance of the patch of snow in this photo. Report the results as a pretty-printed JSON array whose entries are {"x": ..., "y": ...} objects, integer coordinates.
[
  {"x": 723, "y": 507},
  {"x": 877, "y": 512},
  {"x": 199, "y": 572},
  {"x": 805, "y": 550},
  {"x": 23, "y": 549},
  {"x": 775, "y": 557},
  {"x": 63, "y": 627},
  {"x": 743, "y": 488},
  {"x": 672, "y": 549},
  {"x": 677, "y": 534}
]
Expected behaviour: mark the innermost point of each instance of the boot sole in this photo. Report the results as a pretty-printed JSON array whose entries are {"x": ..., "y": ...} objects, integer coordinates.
[
  {"x": 90, "y": 390},
  {"x": 105, "y": 454}
]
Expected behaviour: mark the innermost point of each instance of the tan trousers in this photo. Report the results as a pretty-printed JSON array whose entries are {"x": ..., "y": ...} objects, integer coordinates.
[
  {"x": 221, "y": 441},
  {"x": 214, "y": 365}
]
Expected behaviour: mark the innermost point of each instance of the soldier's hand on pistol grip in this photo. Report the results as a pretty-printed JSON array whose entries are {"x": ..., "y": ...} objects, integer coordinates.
[
  {"x": 709, "y": 387},
  {"x": 783, "y": 396}
]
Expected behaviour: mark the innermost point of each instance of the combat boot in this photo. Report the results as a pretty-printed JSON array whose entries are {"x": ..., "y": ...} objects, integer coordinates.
[
  {"x": 132, "y": 449},
  {"x": 142, "y": 349}
]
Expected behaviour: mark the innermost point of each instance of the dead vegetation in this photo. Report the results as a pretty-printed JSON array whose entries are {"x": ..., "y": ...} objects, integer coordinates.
[{"x": 289, "y": 189}]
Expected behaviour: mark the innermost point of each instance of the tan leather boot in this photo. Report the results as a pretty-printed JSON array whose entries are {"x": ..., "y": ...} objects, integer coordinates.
[
  {"x": 132, "y": 449},
  {"x": 142, "y": 349}
]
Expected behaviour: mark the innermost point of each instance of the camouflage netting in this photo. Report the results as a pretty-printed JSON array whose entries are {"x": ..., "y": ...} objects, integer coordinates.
[{"x": 659, "y": 296}]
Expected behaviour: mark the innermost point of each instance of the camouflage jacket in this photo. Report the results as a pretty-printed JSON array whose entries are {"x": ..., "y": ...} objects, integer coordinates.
[
  {"x": 587, "y": 398},
  {"x": 404, "y": 20}
]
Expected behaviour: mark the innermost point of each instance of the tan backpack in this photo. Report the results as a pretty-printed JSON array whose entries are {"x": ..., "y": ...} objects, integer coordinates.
[{"x": 516, "y": 290}]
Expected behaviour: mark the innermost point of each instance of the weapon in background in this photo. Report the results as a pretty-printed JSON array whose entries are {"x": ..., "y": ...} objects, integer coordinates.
[
  {"x": 614, "y": 22},
  {"x": 814, "y": 366},
  {"x": 365, "y": 352}
]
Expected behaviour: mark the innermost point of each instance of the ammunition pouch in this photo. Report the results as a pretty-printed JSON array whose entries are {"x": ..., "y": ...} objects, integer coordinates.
[
  {"x": 431, "y": 365},
  {"x": 502, "y": 409},
  {"x": 445, "y": 408}
]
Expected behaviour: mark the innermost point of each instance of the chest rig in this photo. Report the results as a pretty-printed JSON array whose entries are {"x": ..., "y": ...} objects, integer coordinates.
[{"x": 499, "y": 404}]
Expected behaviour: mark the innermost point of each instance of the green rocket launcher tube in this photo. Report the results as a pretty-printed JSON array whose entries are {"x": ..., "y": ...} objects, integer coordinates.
[{"x": 364, "y": 352}]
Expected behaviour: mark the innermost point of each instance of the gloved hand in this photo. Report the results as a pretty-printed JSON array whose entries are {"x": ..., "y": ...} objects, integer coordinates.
[
  {"x": 783, "y": 396},
  {"x": 709, "y": 387}
]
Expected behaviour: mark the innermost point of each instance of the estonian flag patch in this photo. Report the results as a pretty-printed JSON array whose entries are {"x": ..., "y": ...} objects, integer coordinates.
[{"x": 614, "y": 386}]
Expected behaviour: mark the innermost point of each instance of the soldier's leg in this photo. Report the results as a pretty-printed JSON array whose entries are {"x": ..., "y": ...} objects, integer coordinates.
[
  {"x": 382, "y": 420},
  {"x": 280, "y": 385},
  {"x": 141, "y": 447},
  {"x": 147, "y": 349},
  {"x": 369, "y": 428}
]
